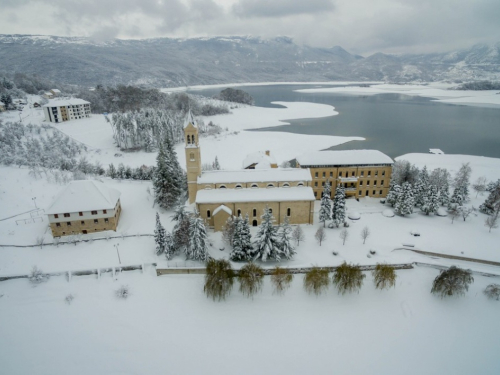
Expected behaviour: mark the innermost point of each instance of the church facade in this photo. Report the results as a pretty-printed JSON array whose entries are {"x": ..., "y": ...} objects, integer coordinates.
[{"x": 287, "y": 192}]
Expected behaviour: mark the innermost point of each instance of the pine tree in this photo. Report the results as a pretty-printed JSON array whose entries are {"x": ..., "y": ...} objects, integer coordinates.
[
  {"x": 266, "y": 244},
  {"x": 430, "y": 203},
  {"x": 405, "y": 203},
  {"x": 461, "y": 183},
  {"x": 325, "y": 212},
  {"x": 112, "y": 171},
  {"x": 169, "y": 246},
  {"x": 444, "y": 195},
  {"x": 160, "y": 236},
  {"x": 242, "y": 240},
  {"x": 181, "y": 231},
  {"x": 457, "y": 198},
  {"x": 421, "y": 187},
  {"x": 197, "y": 248},
  {"x": 492, "y": 203},
  {"x": 228, "y": 230},
  {"x": 285, "y": 240},
  {"x": 338, "y": 215},
  {"x": 216, "y": 164},
  {"x": 392, "y": 196}
]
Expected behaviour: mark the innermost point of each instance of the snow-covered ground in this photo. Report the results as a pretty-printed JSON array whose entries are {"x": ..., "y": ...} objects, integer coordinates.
[
  {"x": 439, "y": 91},
  {"x": 167, "y": 325}
]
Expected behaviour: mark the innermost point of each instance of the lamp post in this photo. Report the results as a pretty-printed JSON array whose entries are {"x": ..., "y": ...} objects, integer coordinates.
[
  {"x": 34, "y": 201},
  {"x": 116, "y": 246}
]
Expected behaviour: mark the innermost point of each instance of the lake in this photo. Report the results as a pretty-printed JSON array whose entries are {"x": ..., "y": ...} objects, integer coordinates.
[{"x": 395, "y": 124}]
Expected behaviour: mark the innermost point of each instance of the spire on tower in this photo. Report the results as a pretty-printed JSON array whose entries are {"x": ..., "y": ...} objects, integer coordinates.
[{"x": 189, "y": 120}]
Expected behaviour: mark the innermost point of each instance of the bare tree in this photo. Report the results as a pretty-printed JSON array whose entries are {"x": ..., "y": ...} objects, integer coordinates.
[
  {"x": 492, "y": 291},
  {"x": 491, "y": 222},
  {"x": 365, "y": 233},
  {"x": 298, "y": 234},
  {"x": 454, "y": 213},
  {"x": 344, "y": 234},
  {"x": 320, "y": 235},
  {"x": 465, "y": 212},
  {"x": 36, "y": 276},
  {"x": 39, "y": 241},
  {"x": 479, "y": 186}
]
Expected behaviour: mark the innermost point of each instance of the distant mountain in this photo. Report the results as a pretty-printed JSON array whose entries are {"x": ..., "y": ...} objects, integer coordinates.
[{"x": 167, "y": 62}]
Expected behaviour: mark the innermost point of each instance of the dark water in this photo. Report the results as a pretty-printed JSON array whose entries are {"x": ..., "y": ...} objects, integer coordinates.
[{"x": 395, "y": 124}]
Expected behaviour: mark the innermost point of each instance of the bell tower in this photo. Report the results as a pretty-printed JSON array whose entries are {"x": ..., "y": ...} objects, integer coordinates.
[{"x": 193, "y": 156}]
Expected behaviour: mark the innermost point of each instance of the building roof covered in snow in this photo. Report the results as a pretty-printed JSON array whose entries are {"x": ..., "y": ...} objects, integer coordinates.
[
  {"x": 259, "y": 157},
  {"x": 190, "y": 120},
  {"x": 84, "y": 195},
  {"x": 255, "y": 195},
  {"x": 344, "y": 157},
  {"x": 65, "y": 102},
  {"x": 55, "y": 91},
  {"x": 223, "y": 208},
  {"x": 255, "y": 175}
]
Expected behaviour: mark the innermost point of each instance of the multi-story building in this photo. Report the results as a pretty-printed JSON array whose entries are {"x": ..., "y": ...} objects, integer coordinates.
[
  {"x": 61, "y": 110},
  {"x": 363, "y": 173},
  {"x": 218, "y": 195},
  {"x": 84, "y": 207}
]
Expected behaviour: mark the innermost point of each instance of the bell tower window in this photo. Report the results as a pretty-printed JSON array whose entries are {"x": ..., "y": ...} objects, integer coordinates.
[{"x": 191, "y": 156}]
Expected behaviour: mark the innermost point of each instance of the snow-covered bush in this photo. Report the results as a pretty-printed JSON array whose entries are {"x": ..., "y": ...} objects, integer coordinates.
[
  {"x": 36, "y": 276},
  {"x": 219, "y": 279},
  {"x": 69, "y": 298},
  {"x": 453, "y": 281},
  {"x": 492, "y": 291},
  {"x": 316, "y": 280},
  {"x": 348, "y": 278},
  {"x": 123, "y": 292}
]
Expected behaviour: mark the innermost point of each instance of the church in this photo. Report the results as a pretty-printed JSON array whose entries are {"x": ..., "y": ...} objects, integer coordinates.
[{"x": 286, "y": 192}]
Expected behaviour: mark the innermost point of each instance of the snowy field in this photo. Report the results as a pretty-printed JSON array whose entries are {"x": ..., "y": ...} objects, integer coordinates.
[
  {"x": 439, "y": 91},
  {"x": 168, "y": 326}
]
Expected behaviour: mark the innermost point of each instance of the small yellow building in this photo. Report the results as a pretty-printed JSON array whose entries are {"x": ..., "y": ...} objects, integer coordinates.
[
  {"x": 363, "y": 173},
  {"x": 84, "y": 207},
  {"x": 286, "y": 192}
]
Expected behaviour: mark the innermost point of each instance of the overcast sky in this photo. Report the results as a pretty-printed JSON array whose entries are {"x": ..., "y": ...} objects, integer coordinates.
[{"x": 360, "y": 26}]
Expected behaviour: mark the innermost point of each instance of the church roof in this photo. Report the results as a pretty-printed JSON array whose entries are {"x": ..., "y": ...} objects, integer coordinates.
[
  {"x": 344, "y": 157},
  {"x": 84, "y": 195},
  {"x": 255, "y": 195},
  {"x": 258, "y": 157},
  {"x": 223, "y": 208},
  {"x": 190, "y": 120},
  {"x": 255, "y": 175}
]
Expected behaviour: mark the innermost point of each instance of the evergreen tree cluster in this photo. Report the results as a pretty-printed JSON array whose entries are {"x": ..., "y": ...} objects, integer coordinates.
[
  {"x": 241, "y": 239},
  {"x": 122, "y": 172},
  {"x": 339, "y": 208},
  {"x": 491, "y": 205}
]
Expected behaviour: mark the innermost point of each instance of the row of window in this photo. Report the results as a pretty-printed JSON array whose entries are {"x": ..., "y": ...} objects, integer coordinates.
[
  {"x": 253, "y": 186},
  {"x": 352, "y": 184},
  {"x": 367, "y": 192},
  {"x": 254, "y": 212},
  {"x": 316, "y": 174},
  {"x": 96, "y": 221},
  {"x": 80, "y": 214}
]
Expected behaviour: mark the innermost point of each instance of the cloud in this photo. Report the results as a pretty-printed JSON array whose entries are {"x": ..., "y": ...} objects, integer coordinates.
[{"x": 280, "y": 8}]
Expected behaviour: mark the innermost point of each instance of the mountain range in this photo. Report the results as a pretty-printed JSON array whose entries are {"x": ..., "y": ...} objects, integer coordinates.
[{"x": 171, "y": 62}]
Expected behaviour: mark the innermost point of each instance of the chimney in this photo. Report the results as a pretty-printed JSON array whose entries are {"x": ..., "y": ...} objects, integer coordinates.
[{"x": 268, "y": 153}]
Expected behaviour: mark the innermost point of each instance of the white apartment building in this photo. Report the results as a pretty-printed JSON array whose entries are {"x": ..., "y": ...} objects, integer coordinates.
[{"x": 61, "y": 110}]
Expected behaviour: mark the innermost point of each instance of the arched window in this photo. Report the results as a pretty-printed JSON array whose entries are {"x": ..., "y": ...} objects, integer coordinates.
[
  {"x": 191, "y": 156},
  {"x": 300, "y": 184},
  {"x": 254, "y": 212},
  {"x": 270, "y": 185},
  {"x": 288, "y": 212},
  {"x": 222, "y": 187},
  {"x": 286, "y": 184},
  {"x": 208, "y": 214},
  {"x": 239, "y": 213},
  {"x": 238, "y": 186},
  {"x": 253, "y": 186},
  {"x": 188, "y": 139},
  {"x": 208, "y": 187}
]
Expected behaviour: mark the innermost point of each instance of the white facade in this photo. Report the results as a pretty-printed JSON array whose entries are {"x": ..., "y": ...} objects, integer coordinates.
[{"x": 66, "y": 110}]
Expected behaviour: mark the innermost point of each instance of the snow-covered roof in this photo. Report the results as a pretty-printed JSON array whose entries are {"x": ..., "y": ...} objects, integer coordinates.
[
  {"x": 344, "y": 157},
  {"x": 84, "y": 195},
  {"x": 258, "y": 157},
  {"x": 255, "y": 175},
  {"x": 64, "y": 102},
  {"x": 223, "y": 208},
  {"x": 189, "y": 120},
  {"x": 255, "y": 195},
  {"x": 56, "y": 90}
]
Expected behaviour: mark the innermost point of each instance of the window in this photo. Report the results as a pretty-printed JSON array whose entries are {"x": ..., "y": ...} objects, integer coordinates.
[
  {"x": 270, "y": 185},
  {"x": 254, "y": 212},
  {"x": 316, "y": 175},
  {"x": 191, "y": 156},
  {"x": 315, "y": 194},
  {"x": 362, "y": 173},
  {"x": 222, "y": 187},
  {"x": 376, "y": 173},
  {"x": 331, "y": 174},
  {"x": 208, "y": 213},
  {"x": 66, "y": 215},
  {"x": 288, "y": 212},
  {"x": 300, "y": 184},
  {"x": 104, "y": 211},
  {"x": 366, "y": 193},
  {"x": 382, "y": 182},
  {"x": 56, "y": 216},
  {"x": 270, "y": 210},
  {"x": 380, "y": 192},
  {"x": 208, "y": 187},
  {"x": 369, "y": 173},
  {"x": 323, "y": 183},
  {"x": 96, "y": 221},
  {"x": 68, "y": 223},
  {"x": 352, "y": 174},
  {"x": 254, "y": 186},
  {"x": 239, "y": 212},
  {"x": 324, "y": 174},
  {"x": 340, "y": 174},
  {"x": 238, "y": 186},
  {"x": 286, "y": 184},
  {"x": 82, "y": 222},
  {"x": 375, "y": 183},
  {"x": 94, "y": 212},
  {"x": 58, "y": 224},
  {"x": 254, "y": 223},
  {"x": 373, "y": 192},
  {"x": 80, "y": 213},
  {"x": 360, "y": 183},
  {"x": 360, "y": 192},
  {"x": 316, "y": 184},
  {"x": 367, "y": 183},
  {"x": 107, "y": 220},
  {"x": 383, "y": 173}
]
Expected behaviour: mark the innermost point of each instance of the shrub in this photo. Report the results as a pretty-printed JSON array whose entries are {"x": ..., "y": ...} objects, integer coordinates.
[
  {"x": 281, "y": 280},
  {"x": 348, "y": 278},
  {"x": 123, "y": 292},
  {"x": 384, "y": 276},
  {"x": 36, "y": 276},
  {"x": 251, "y": 278},
  {"x": 492, "y": 291},
  {"x": 453, "y": 281},
  {"x": 69, "y": 298},
  {"x": 316, "y": 280},
  {"x": 219, "y": 279}
]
